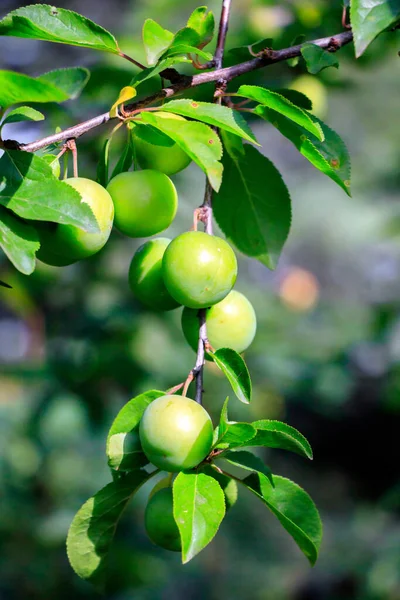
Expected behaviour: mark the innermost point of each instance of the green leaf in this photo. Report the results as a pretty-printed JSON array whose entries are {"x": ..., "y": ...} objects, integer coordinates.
[
  {"x": 213, "y": 114},
  {"x": 369, "y": 18},
  {"x": 71, "y": 80},
  {"x": 198, "y": 140},
  {"x": 51, "y": 24},
  {"x": 317, "y": 58},
  {"x": 123, "y": 448},
  {"x": 250, "y": 462},
  {"x": 223, "y": 420},
  {"x": 275, "y": 434},
  {"x": 92, "y": 530},
  {"x": 199, "y": 507},
  {"x": 186, "y": 36},
  {"x": 228, "y": 485},
  {"x": 233, "y": 145},
  {"x": 19, "y": 241},
  {"x": 16, "y": 88},
  {"x": 29, "y": 188},
  {"x": 229, "y": 434},
  {"x": 125, "y": 161},
  {"x": 296, "y": 97},
  {"x": 187, "y": 49},
  {"x": 235, "y": 370},
  {"x": 331, "y": 156},
  {"x": 283, "y": 106},
  {"x": 202, "y": 21},
  {"x": 103, "y": 164},
  {"x": 165, "y": 63},
  {"x": 294, "y": 509},
  {"x": 155, "y": 39},
  {"x": 23, "y": 113},
  {"x": 258, "y": 222}
]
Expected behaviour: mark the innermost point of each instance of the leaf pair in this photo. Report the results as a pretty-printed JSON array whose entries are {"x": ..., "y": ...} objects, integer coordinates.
[
  {"x": 258, "y": 223},
  {"x": 159, "y": 43},
  {"x": 265, "y": 433}
]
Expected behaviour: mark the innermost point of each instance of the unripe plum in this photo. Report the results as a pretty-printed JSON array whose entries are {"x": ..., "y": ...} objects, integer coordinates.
[
  {"x": 159, "y": 521},
  {"x": 230, "y": 324},
  {"x": 145, "y": 202},
  {"x": 176, "y": 433},
  {"x": 199, "y": 270},
  {"x": 155, "y": 150},
  {"x": 145, "y": 275},
  {"x": 65, "y": 244}
]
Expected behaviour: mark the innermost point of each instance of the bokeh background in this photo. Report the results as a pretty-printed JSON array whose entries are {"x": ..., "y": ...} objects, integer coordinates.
[{"x": 75, "y": 345}]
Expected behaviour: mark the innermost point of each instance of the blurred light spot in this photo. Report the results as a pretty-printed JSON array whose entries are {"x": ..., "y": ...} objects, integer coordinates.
[
  {"x": 309, "y": 13},
  {"x": 269, "y": 20},
  {"x": 14, "y": 340},
  {"x": 23, "y": 457},
  {"x": 299, "y": 290},
  {"x": 10, "y": 390},
  {"x": 371, "y": 358},
  {"x": 64, "y": 421},
  {"x": 315, "y": 90}
]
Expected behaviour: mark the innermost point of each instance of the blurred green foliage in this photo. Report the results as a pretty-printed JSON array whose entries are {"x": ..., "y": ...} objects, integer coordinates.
[{"x": 75, "y": 345}]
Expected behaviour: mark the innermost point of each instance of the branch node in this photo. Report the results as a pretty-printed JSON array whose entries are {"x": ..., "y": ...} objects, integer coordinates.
[{"x": 11, "y": 145}]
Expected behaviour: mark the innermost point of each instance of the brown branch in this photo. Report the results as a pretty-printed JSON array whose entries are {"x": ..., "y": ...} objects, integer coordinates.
[
  {"x": 226, "y": 74},
  {"x": 206, "y": 208}
]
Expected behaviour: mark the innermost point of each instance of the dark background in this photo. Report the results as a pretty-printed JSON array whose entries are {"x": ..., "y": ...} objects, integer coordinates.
[{"x": 75, "y": 345}]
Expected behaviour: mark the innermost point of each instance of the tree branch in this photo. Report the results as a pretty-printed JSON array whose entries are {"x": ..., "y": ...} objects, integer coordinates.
[
  {"x": 226, "y": 74},
  {"x": 206, "y": 207}
]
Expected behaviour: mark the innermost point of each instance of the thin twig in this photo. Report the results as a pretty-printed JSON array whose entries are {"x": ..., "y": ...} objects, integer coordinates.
[
  {"x": 199, "y": 366},
  {"x": 225, "y": 74}
]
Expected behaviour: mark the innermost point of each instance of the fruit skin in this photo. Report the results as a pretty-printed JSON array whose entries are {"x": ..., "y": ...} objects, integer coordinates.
[
  {"x": 145, "y": 202},
  {"x": 65, "y": 244},
  {"x": 231, "y": 323},
  {"x": 159, "y": 521},
  {"x": 199, "y": 270},
  {"x": 155, "y": 150},
  {"x": 145, "y": 275},
  {"x": 176, "y": 433}
]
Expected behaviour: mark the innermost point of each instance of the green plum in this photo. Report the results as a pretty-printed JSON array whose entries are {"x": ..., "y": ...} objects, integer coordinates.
[
  {"x": 159, "y": 520},
  {"x": 199, "y": 270},
  {"x": 155, "y": 150},
  {"x": 230, "y": 324},
  {"x": 176, "y": 433},
  {"x": 145, "y": 275},
  {"x": 145, "y": 202},
  {"x": 65, "y": 244}
]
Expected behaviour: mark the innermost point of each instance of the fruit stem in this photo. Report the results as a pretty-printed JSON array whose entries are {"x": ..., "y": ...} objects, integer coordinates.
[
  {"x": 71, "y": 145},
  {"x": 132, "y": 60}
]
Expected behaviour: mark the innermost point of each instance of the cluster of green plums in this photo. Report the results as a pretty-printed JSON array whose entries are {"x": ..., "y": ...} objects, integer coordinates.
[
  {"x": 195, "y": 270},
  {"x": 139, "y": 203}
]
